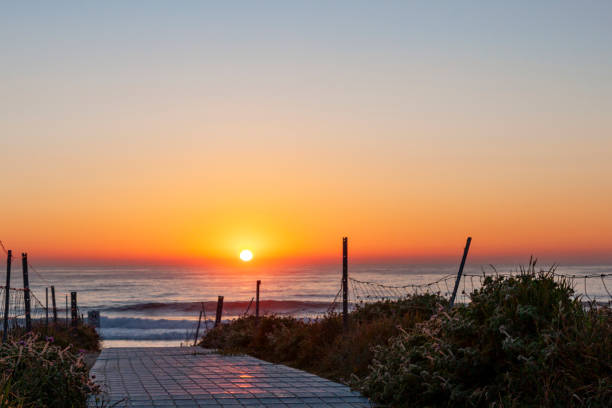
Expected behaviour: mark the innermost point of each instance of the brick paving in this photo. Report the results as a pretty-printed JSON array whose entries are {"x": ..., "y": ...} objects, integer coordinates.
[{"x": 196, "y": 377}]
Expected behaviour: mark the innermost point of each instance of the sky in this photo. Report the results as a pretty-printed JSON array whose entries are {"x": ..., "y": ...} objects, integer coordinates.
[{"x": 187, "y": 131}]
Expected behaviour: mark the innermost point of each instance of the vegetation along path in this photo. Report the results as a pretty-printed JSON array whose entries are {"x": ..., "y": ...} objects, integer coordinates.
[{"x": 196, "y": 377}]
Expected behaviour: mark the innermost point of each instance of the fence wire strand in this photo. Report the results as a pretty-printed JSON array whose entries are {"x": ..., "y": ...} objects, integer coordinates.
[
  {"x": 367, "y": 291},
  {"x": 16, "y": 309}
]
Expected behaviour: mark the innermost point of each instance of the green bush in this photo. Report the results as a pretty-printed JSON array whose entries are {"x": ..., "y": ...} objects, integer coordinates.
[
  {"x": 37, "y": 373},
  {"x": 522, "y": 341},
  {"x": 321, "y": 346}
]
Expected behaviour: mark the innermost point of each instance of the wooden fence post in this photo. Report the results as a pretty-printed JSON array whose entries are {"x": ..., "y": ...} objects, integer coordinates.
[
  {"x": 204, "y": 314},
  {"x": 195, "y": 341},
  {"x": 257, "y": 301},
  {"x": 73, "y": 308},
  {"x": 47, "y": 307},
  {"x": 465, "y": 252},
  {"x": 53, "y": 304},
  {"x": 7, "y": 294},
  {"x": 345, "y": 282},
  {"x": 219, "y": 311},
  {"x": 246, "y": 312},
  {"x": 26, "y": 292},
  {"x": 66, "y": 310}
]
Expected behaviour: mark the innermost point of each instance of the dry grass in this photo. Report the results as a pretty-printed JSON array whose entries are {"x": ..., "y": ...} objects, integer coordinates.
[
  {"x": 322, "y": 347},
  {"x": 38, "y": 373}
]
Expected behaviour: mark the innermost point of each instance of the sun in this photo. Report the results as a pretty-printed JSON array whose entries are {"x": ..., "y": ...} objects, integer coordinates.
[{"x": 246, "y": 255}]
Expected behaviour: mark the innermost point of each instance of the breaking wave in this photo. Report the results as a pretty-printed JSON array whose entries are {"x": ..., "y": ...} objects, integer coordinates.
[
  {"x": 134, "y": 322},
  {"x": 134, "y": 328},
  {"x": 230, "y": 307}
]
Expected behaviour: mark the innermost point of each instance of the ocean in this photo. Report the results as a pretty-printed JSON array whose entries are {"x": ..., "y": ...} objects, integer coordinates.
[{"x": 160, "y": 305}]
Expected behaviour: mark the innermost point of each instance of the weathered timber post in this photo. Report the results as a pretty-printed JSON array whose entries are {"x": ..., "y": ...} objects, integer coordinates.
[
  {"x": 257, "y": 301},
  {"x": 195, "y": 341},
  {"x": 345, "y": 282},
  {"x": 219, "y": 311},
  {"x": 7, "y": 294},
  {"x": 246, "y": 312},
  {"x": 73, "y": 308},
  {"x": 53, "y": 304},
  {"x": 465, "y": 252},
  {"x": 66, "y": 310},
  {"x": 26, "y": 291},
  {"x": 47, "y": 307},
  {"x": 204, "y": 313}
]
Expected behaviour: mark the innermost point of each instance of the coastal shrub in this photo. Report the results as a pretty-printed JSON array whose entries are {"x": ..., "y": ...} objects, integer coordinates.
[
  {"x": 38, "y": 373},
  {"x": 79, "y": 338},
  {"x": 82, "y": 337},
  {"x": 522, "y": 341},
  {"x": 321, "y": 346}
]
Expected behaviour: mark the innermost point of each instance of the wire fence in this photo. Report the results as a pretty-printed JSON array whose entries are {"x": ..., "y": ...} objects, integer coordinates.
[
  {"x": 589, "y": 287},
  {"x": 15, "y": 299},
  {"x": 16, "y": 308}
]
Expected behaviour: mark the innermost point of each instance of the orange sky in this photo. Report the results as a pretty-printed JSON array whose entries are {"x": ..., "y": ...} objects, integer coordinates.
[{"x": 121, "y": 142}]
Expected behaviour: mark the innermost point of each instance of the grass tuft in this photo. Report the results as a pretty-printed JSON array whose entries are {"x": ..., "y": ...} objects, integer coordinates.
[{"x": 37, "y": 372}]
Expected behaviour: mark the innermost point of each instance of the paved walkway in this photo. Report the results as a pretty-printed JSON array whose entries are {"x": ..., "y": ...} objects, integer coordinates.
[{"x": 196, "y": 377}]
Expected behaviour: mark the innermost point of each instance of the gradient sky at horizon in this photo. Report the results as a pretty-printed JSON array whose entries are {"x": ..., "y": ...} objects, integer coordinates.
[{"x": 157, "y": 131}]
